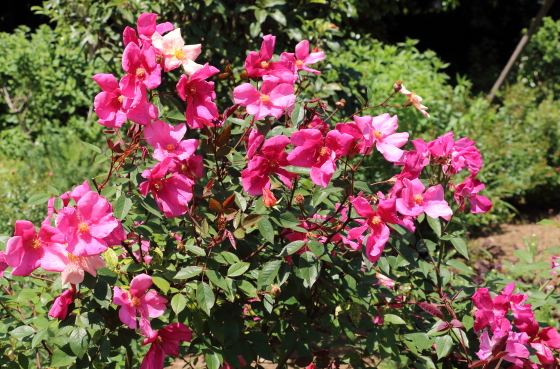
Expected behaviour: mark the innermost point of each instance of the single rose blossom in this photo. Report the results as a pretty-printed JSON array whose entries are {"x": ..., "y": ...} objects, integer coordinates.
[
  {"x": 28, "y": 250},
  {"x": 414, "y": 201},
  {"x": 138, "y": 301},
  {"x": 415, "y": 100},
  {"x": 167, "y": 140},
  {"x": 172, "y": 194},
  {"x": 468, "y": 190},
  {"x": 3, "y": 263},
  {"x": 166, "y": 341},
  {"x": 259, "y": 64},
  {"x": 272, "y": 99},
  {"x": 87, "y": 225},
  {"x": 302, "y": 57},
  {"x": 61, "y": 304},
  {"x": 199, "y": 93},
  {"x": 77, "y": 265},
  {"x": 141, "y": 64},
  {"x": 176, "y": 53}
]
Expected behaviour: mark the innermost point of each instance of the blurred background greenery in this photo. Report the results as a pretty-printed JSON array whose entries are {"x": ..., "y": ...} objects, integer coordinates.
[{"x": 47, "y": 92}]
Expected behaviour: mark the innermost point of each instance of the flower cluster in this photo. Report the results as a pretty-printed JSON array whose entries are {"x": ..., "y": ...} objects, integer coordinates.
[{"x": 491, "y": 319}]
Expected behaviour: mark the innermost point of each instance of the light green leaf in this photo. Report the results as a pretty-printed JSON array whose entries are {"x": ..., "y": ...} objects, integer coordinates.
[
  {"x": 79, "y": 341},
  {"x": 212, "y": 360},
  {"x": 394, "y": 319},
  {"x": 459, "y": 265},
  {"x": 122, "y": 207},
  {"x": 309, "y": 268},
  {"x": 162, "y": 284},
  {"x": 61, "y": 358},
  {"x": 266, "y": 230},
  {"x": 22, "y": 331},
  {"x": 92, "y": 147},
  {"x": 524, "y": 255},
  {"x": 292, "y": 247},
  {"x": 238, "y": 269},
  {"x": 38, "y": 199},
  {"x": 460, "y": 246},
  {"x": 268, "y": 273},
  {"x": 178, "y": 303},
  {"x": 205, "y": 297},
  {"x": 443, "y": 346},
  {"x": 41, "y": 335},
  {"x": 435, "y": 224}
]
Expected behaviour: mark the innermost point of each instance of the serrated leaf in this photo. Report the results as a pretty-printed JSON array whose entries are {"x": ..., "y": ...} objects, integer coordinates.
[
  {"x": 188, "y": 272},
  {"x": 240, "y": 201},
  {"x": 122, "y": 207},
  {"x": 266, "y": 230},
  {"x": 22, "y": 331},
  {"x": 162, "y": 284},
  {"x": 178, "y": 303},
  {"x": 205, "y": 297},
  {"x": 196, "y": 250},
  {"x": 238, "y": 269},
  {"x": 524, "y": 255},
  {"x": 111, "y": 258},
  {"x": 38, "y": 199},
  {"x": 53, "y": 190},
  {"x": 430, "y": 309},
  {"x": 251, "y": 219},
  {"x": 239, "y": 233},
  {"x": 394, "y": 319},
  {"x": 317, "y": 248},
  {"x": 79, "y": 341},
  {"x": 216, "y": 278},
  {"x": 39, "y": 336},
  {"x": 176, "y": 115},
  {"x": 460, "y": 246},
  {"x": 215, "y": 205},
  {"x": 318, "y": 197},
  {"x": 443, "y": 346},
  {"x": 435, "y": 224},
  {"x": 268, "y": 273},
  {"x": 247, "y": 288},
  {"x": 298, "y": 114},
  {"x": 292, "y": 247},
  {"x": 92, "y": 147},
  {"x": 61, "y": 358},
  {"x": 459, "y": 265},
  {"x": 298, "y": 170},
  {"x": 309, "y": 268}
]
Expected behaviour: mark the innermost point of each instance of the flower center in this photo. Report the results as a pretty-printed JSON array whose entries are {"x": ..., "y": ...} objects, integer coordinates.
[
  {"x": 159, "y": 59},
  {"x": 179, "y": 54},
  {"x": 377, "y": 134},
  {"x": 120, "y": 98},
  {"x": 375, "y": 220},
  {"x": 272, "y": 164},
  {"x": 299, "y": 63},
  {"x": 158, "y": 185},
  {"x": 73, "y": 259},
  {"x": 184, "y": 168},
  {"x": 83, "y": 227},
  {"x": 170, "y": 147},
  {"x": 36, "y": 243},
  {"x": 264, "y": 65},
  {"x": 192, "y": 90},
  {"x": 323, "y": 151},
  {"x": 418, "y": 199},
  {"x": 140, "y": 72},
  {"x": 135, "y": 301},
  {"x": 265, "y": 98}
]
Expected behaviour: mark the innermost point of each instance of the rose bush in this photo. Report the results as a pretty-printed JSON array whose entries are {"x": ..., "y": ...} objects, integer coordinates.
[{"x": 243, "y": 229}]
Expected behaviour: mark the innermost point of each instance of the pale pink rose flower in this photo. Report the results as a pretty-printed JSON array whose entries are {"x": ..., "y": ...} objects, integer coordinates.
[
  {"x": 176, "y": 53},
  {"x": 415, "y": 100},
  {"x": 77, "y": 265}
]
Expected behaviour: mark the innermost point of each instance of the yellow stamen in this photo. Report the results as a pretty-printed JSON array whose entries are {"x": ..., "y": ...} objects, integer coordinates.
[
  {"x": 265, "y": 98},
  {"x": 299, "y": 63},
  {"x": 377, "y": 134},
  {"x": 120, "y": 98},
  {"x": 158, "y": 185},
  {"x": 83, "y": 227},
  {"x": 36, "y": 243},
  {"x": 135, "y": 301},
  {"x": 418, "y": 199},
  {"x": 323, "y": 151},
  {"x": 265, "y": 65},
  {"x": 140, "y": 72},
  {"x": 179, "y": 54},
  {"x": 375, "y": 220},
  {"x": 170, "y": 147}
]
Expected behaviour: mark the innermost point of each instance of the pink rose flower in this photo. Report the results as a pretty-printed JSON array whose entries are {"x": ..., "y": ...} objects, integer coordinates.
[
  {"x": 468, "y": 190},
  {"x": 175, "y": 52},
  {"x": 61, "y": 303},
  {"x": 138, "y": 301},
  {"x": 259, "y": 64},
  {"x": 167, "y": 140},
  {"x": 273, "y": 98},
  {"x": 414, "y": 201},
  {"x": 302, "y": 57},
  {"x": 142, "y": 66},
  {"x": 166, "y": 341}
]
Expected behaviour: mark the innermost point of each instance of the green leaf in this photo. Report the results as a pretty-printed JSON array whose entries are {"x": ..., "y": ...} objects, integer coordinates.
[
  {"x": 459, "y": 265},
  {"x": 435, "y": 224},
  {"x": 178, "y": 303},
  {"x": 318, "y": 197},
  {"x": 460, "y": 246},
  {"x": 443, "y": 346},
  {"x": 53, "y": 190},
  {"x": 524, "y": 255},
  {"x": 111, "y": 258},
  {"x": 298, "y": 170},
  {"x": 61, "y": 358},
  {"x": 196, "y": 250},
  {"x": 162, "y": 284},
  {"x": 100, "y": 159},
  {"x": 317, "y": 248},
  {"x": 216, "y": 278},
  {"x": 279, "y": 17},
  {"x": 266, "y": 230},
  {"x": 254, "y": 29},
  {"x": 212, "y": 360},
  {"x": 148, "y": 204},
  {"x": 92, "y": 147},
  {"x": 394, "y": 319},
  {"x": 309, "y": 268},
  {"x": 238, "y": 269},
  {"x": 251, "y": 219},
  {"x": 205, "y": 297},
  {"x": 122, "y": 207},
  {"x": 247, "y": 288},
  {"x": 38, "y": 199},
  {"x": 268, "y": 273},
  {"x": 240, "y": 201},
  {"x": 298, "y": 114},
  {"x": 79, "y": 341},
  {"x": 176, "y": 115},
  {"x": 22, "y": 331},
  {"x": 292, "y": 247},
  {"x": 188, "y": 272},
  {"x": 39, "y": 336},
  {"x": 548, "y": 222}
]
